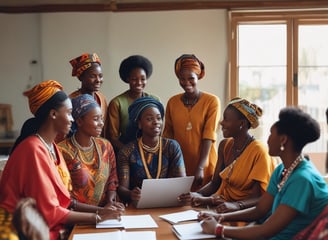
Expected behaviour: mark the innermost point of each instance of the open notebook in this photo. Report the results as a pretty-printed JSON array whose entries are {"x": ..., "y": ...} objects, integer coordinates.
[{"x": 163, "y": 192}]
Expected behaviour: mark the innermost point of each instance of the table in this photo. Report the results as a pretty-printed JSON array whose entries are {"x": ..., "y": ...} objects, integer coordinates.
[{"x": 163, "y": 232}]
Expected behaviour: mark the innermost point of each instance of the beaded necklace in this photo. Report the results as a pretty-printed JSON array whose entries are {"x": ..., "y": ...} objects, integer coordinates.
[
  {"x": 145, "y": 164},
  {"x": 287, "y": 172},
  {"x": 86, "y": 154},
  {"x": 50, "y": 147}
]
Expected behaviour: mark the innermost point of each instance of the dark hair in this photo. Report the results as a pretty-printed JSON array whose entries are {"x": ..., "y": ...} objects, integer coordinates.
[
  {"x": 298, "y": 125},
  {"x": 240, "y": 115},
  {"x": 133, "y": 62},
  {"x": 32, "y": 125}
]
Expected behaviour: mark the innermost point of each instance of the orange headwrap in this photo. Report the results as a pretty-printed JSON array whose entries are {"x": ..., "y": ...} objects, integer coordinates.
[
  {"x": 40, "y": 93},
  {"x": 189, "y": 62},
  {"x": 83, "y": 62},
  {"x": 250, "y": 110}
]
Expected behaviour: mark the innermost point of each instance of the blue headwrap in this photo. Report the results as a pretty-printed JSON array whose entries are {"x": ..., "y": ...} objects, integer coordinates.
[
  {"x": 135, "y": 111},
  {"x": 82, "y": 105}
]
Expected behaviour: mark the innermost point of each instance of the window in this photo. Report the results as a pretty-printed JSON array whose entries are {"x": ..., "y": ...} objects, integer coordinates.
[{"x": 280, "y": 59}]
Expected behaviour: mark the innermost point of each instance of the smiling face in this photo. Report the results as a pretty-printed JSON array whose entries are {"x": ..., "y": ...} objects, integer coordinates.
[
  {"x": 231, "y": 122},
  {"x": 91, "y": 123},
  {"x": 151, "y": 122},
  {"x": 137, "y": 80},
  {"x": 63, "y": 117},
  {"x": 92, "y": 79},
  {"x": 188, "y": 81}
]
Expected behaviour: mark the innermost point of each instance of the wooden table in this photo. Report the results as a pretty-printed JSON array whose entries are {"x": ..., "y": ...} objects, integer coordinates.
[{"x": 163, "y": 232}]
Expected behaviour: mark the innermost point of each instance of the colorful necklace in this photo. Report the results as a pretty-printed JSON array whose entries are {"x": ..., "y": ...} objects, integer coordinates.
[
  {"x": 288, "y": 172},
  {"x": 142, "y": 154},
  {"x": 87, "y": 154}
]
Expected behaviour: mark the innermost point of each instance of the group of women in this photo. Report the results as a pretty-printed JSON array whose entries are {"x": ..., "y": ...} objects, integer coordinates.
[{"x": 86, "y": 157}]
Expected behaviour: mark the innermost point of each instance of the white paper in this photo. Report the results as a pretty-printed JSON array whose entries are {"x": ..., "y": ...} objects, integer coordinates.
[
  {"x": 117, "y": 235},
  {"x": 177, "y": 217},
  {"x": 189, "y": 231},
  {"x": 163, "y": 192},
  {"x": 128, "y": 222}
]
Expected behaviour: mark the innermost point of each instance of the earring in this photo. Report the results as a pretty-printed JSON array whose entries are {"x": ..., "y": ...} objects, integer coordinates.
[
  {"x": 53, "y": 117},
  {"x": 240, "y": 127},
  {"x": 282, "y": 148}
]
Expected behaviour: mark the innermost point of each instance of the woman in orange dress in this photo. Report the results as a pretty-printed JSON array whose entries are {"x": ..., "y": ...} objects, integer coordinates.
[{"x": 192, "y": 119}]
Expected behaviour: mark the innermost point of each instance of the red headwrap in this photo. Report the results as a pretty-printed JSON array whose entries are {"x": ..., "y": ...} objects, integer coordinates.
[
  {"x": 83, "y": 62},
  {"x": 40, "y": 93},
  {"x": 189, "y": 62}
]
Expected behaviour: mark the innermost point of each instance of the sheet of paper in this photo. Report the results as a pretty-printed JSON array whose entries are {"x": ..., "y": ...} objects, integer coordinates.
[
  {"x": 163, "y": 192},
  {"x": 128, "y": 222},
  {"x": 117, "y": 235},
  {"x": 177, "y": 217},
  {"x": 189, "y": 231}
]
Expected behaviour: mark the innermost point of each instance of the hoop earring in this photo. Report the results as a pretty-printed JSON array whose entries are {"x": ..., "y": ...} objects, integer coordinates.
[{"x": 282, "y": 148}]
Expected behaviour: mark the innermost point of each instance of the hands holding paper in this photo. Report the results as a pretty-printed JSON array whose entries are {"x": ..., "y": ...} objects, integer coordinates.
[{"x": 111, "y": 211}]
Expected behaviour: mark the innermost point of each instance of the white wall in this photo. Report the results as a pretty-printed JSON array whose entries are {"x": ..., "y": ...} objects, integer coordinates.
[{"x": 55, "y": 38}]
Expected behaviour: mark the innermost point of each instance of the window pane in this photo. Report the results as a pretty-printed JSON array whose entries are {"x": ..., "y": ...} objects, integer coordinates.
[
  {"x": 313, "y": 79},
  {"x": 262, "y": 70}
]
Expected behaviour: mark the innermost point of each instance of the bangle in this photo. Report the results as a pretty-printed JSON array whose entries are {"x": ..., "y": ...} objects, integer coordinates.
[
  {"x": 241, "y": 205},
  {"x": 98, "y": 218},
  {"x": 73, "y": 204},
  {"x": 219, "y": 230}
]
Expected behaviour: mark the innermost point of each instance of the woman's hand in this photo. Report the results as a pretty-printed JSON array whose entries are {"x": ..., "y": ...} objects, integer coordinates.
[
  {"x": 200, "y": 200},
  {"x": 135, "y": 194},
  {"x": 227, "y": 207},
  {"x": 199, "y": 177},
  {"x": 209, "y": 214},
  {"x": 209, "y": 225},
  {"x": 184, "y": 198},
  {"x": 110, "y": 213}
]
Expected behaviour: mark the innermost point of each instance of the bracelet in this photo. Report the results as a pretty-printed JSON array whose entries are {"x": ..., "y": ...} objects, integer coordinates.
[
  {"x": 98, "y": 218},
  {"x": 73, "y": 204},
  {"x": 219, "y": 231},
  {"x": 201, "y": 168},
  {"x": 241, "y": 205}
]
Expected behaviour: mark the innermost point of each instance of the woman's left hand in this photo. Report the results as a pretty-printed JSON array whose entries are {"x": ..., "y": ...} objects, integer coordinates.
[
  {"x": 199, "y": 177},
  {"x": 227, "y": 207}
]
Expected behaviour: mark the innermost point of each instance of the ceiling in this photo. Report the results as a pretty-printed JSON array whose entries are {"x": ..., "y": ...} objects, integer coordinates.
[{"x": 25, "y": 6}]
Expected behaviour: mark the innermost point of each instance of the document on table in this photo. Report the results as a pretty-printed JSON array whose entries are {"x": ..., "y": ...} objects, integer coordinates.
[
  {"x": 189, "y": 231},
  {"x": 163, "y": 192},
  {"x": 128, "y": 222},
  {"x": 177, "y": 217},
  {"x": 117, "y": 235}
]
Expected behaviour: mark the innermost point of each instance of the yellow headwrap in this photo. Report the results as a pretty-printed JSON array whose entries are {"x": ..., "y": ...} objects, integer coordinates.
[
  {"x": 251, "y": 111},
  {"x": 40, "y": 93},
  {"x": 189, "y": 62},
  {"x": 83, "y": 62}
]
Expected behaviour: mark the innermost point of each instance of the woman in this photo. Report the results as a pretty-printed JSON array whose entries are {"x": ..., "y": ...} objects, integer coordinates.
[
  {"x": 47, "y": 179},
  {"x": 297, "y": 193},
  {"x": 87, "y": 68},
  {"x": 89, "y": 158},
  {"x": 150, "y": 155},
  {"x": 244, "y": 166},
  {"x": 134, "y": 70},
  {"x": 192, "y": 118}
]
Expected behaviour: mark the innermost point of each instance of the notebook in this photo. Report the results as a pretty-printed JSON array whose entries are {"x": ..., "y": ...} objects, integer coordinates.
[
  {"x": 189, "y": 231},
  {"x": 163, "y": 192}
]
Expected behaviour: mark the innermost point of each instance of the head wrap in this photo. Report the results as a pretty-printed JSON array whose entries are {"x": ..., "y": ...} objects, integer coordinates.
[
  {"x": 82, "y": 105},
  {"x": 251, "y": 111},
  {"x": 83, "y": 62},
  {"x": 41, "y": 93},
  {"x": 133, "y": 62},
  {"x": 189, "y": 62},
  {"x": 135, "y": 111}
]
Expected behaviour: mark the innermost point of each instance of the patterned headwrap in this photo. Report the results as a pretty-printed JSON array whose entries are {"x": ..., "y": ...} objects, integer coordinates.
[
  {"x": 83, "y": 62},
  {"x": 135, "y": 111},
  {"x": 41, "y": 93},
  {"x": 82, "y": 105},
  {"x": 190, "y": 62},
  {"x": 251, "y": 111}
]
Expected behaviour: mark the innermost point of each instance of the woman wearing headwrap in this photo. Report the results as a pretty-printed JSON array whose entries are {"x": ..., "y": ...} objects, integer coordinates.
[
  {"x": 89, "y": 158},
  {"x": 192, "y": 118},
  {"x": 296, "y": 195},
  {"x": 134, "y": 70},
  {"x": 87, "y": 68},
  {"x": 148, "y": 155},
  {"x": 37, "y": 169},
  {"x": 243, "y": 168}
]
